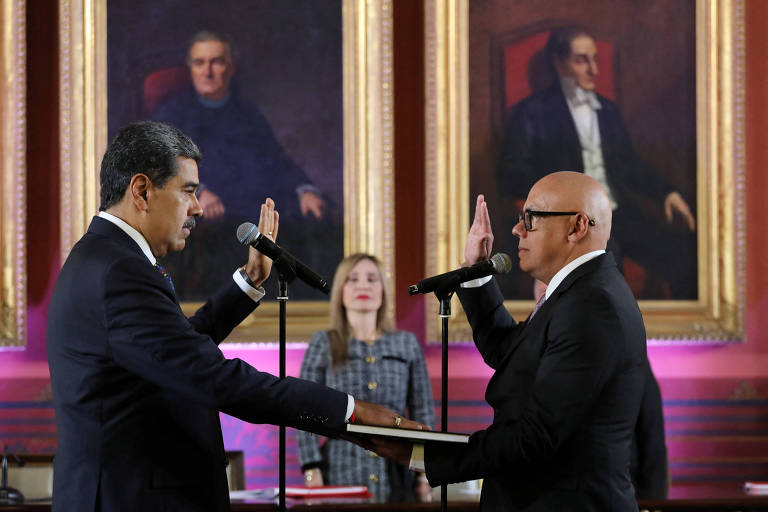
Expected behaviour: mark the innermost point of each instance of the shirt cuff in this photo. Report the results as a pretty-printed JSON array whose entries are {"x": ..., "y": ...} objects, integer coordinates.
[
  {"x": 308, "y": 187},
  {"x": 256, "y": 294},
  {"x": 350, "y": 408},
  {"x": 417, "y": 458},
  {"x": 476, "y": 283}
]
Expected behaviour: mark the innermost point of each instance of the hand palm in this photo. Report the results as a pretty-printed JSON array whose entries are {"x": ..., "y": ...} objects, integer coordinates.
[{"x": 480, "y": 237}]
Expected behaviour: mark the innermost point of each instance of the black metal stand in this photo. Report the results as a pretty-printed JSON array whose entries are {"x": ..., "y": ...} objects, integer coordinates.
[
  {"x": 285, "y": 274},
  {"x": 8, "y": 495},
  {"x": 444, "y": 296}
]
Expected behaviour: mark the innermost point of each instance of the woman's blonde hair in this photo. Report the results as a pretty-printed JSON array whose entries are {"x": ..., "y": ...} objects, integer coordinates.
[{"x": 339, "y": 331}]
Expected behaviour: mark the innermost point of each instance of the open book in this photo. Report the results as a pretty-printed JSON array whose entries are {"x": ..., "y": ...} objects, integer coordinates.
[{"x": 405, "y": 433}]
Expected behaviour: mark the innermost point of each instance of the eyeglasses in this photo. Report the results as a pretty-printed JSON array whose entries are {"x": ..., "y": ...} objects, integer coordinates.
[{"x": 526, "y": 217}]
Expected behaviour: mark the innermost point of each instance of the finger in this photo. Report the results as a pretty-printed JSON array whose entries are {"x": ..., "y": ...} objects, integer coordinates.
[
  {"x": 668, "y": 210},
  {"x": 263, "y": 219},
  {"x": 266, "y": 219},
  {"x": 478, "y": 205},
  {"x": 413, "y": 425},
  {"x": 691, "y": 221},
  {"x": 275, "y": 224}
]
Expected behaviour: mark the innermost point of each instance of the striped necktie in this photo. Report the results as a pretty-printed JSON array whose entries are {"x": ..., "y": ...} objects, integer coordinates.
[
  {"x": 537, "y": 306},
  {"x": 167, "y": 277}
]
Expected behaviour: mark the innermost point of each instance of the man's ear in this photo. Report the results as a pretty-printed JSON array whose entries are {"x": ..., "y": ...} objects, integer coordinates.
[
  {"x": 578, "y": 228},
  {"x": 140, "y": 184}
]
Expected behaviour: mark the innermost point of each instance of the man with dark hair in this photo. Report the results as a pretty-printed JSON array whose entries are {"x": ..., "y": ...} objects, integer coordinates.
[
  {"x": 568, "y": 126},
  {"x": 137, "y": 386},
  {"x": 242, "y": 155}
]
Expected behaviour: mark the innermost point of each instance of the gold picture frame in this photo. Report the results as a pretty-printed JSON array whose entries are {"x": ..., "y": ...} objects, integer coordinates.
[
  {"x": 718, "y": 314},
  {"x": 368, "y": 144},
  {"x": 13, "y": 291}
]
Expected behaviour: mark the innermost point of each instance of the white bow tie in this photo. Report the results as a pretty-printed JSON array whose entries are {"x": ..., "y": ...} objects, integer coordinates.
[{"x": 581, "y": 97}]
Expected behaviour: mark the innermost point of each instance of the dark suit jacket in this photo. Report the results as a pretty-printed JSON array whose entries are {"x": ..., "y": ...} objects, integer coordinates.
[
  {"x": 540, "y": 138},
  {"x": 138, "y": 387},
  {"x": 565, "y": 395},
  {"x": 648, "y": 463}
]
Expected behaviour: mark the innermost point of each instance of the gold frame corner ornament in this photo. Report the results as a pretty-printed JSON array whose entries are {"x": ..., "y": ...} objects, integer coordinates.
[
  {"x": 13, "y": 293},
  {"x": 719, "y": 313},
  {"x": 368, "y": 143}
]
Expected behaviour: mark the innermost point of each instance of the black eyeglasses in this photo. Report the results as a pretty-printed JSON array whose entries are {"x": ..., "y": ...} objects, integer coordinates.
[{"x": 526, "y": 217}]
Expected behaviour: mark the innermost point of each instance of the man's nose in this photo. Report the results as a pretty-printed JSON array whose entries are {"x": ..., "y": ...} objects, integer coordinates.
[
  {"x": 196, "y": 210},
  {"x": 519, "y": 229},
  {"x": 593, "y": 67}
]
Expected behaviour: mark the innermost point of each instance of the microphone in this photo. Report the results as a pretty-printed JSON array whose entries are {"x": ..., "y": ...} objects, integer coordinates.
[
  {"x": 248, "y": 234},
  {"x": 500, "y": 263}
]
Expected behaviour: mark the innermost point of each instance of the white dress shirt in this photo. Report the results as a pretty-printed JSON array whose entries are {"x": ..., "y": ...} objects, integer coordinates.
[{"x": 584, "y": 105}]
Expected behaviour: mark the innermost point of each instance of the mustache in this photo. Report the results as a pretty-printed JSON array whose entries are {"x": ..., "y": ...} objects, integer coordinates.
[{"x": 190, "y": 223}]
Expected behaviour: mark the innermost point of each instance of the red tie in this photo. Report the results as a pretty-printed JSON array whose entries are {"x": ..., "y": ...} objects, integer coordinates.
[{"x": 538, "y": 305}]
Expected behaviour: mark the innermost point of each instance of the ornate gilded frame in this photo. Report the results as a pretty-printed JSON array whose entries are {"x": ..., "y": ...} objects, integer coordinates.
[
  {"x": 718, "y": 315},
  {"x": 13, "y": 291},
  {"x": 368, "y": 143}
]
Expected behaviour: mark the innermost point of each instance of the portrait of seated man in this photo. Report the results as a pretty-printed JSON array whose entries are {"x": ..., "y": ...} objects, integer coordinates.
[
  {"x": 242, "y": 156},
  {"x": 568, "y": 126}
]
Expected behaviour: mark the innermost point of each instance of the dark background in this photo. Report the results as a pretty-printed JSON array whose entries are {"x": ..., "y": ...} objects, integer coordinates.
[{"x": 654, "y": 72}]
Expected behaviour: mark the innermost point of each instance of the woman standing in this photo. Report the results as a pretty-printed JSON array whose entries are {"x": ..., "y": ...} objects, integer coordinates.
[{"x": 362, "y": 354}]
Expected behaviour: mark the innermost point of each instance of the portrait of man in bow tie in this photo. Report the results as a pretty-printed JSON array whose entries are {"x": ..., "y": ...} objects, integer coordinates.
[{"x": 569, "y": 126}]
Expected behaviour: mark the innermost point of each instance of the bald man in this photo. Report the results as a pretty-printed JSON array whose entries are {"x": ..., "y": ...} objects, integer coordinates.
[{"x": 568, "y": 380}]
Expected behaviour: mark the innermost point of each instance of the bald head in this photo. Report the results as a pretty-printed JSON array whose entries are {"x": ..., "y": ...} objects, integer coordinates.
[
  {"x": 556, "y": 240},
  {"x": 575, "y": 191}
]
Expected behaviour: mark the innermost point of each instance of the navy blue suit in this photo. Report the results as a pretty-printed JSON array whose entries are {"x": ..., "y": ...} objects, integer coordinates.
[
  {"x": 138, "y": 387},
  {"x": 565, "y": 395}
]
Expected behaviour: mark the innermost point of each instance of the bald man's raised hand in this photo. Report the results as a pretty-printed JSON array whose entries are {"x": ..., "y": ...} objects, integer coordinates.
[{"x": 480, "y": 238}]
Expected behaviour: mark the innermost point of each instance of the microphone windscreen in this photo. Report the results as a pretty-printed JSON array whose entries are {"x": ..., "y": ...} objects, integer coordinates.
[
  {"x": 247, "y": 233},
  {"x": 501, "y": 262}
]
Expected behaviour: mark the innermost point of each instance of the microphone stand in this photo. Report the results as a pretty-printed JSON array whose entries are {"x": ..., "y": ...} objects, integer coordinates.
[
  {"x": 285, "y": 274},
  {"x": 444, "y": 295},
  {"x": 8, "y": 495}
]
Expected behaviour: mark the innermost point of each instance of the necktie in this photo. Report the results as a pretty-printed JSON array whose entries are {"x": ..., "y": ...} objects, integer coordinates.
[
  {"x": 538, "y": 305},
  {"x": 160, "y": 269}
]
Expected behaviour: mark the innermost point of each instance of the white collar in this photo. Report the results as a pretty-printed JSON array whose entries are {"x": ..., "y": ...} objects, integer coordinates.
[
  {"x": 130, "y": 231},
  {"x": 570, "y": 267},
  {"x": 576, "y": 96}
]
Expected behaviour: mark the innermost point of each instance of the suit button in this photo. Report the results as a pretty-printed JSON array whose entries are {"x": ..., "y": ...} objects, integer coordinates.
[
  {"x": 370, "y": 359},
  {"x": 372, "y": 385},
  {"x": 373, "y": 478}
]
